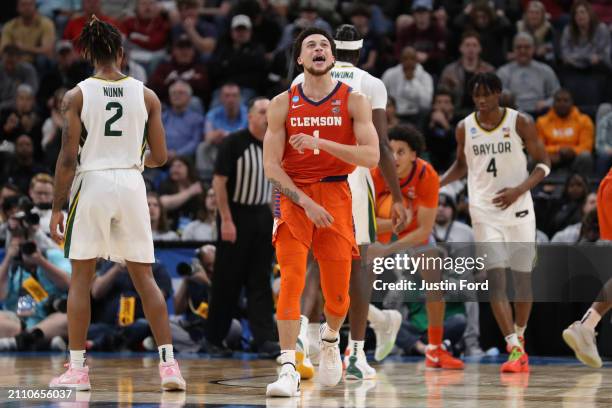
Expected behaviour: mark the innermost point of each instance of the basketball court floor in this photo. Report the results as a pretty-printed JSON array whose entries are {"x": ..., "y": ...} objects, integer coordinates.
[{"x": 132, "y": 380}]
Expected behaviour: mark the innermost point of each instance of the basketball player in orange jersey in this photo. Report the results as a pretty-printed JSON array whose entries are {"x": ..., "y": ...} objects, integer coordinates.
[
  {"x": 420, "y": 186},
  {"x": 580, "y": 336},
  {"x": 318, "y": 132}
]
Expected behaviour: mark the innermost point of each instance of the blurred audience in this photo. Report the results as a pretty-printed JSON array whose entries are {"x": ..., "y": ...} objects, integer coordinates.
[
  {"x": 204, "y": 227},
  {"x": 179, "y": 193},
  {"x": 159, "y": 220},
  {"x": 184, "y": 127}
]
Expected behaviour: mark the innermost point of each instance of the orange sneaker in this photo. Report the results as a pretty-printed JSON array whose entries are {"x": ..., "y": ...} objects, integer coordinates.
[
  {"x": 518, "y": 362},
  {"x": 438, "y": 357}
]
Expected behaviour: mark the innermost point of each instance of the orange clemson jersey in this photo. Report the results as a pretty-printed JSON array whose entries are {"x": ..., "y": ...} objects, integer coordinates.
[
  {"x": 331, "y": 119},
  {"x": 419, "y": 189}
]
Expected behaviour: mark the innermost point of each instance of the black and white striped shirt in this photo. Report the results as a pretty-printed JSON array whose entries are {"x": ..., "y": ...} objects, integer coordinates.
[{"x": 240, "y": 159}]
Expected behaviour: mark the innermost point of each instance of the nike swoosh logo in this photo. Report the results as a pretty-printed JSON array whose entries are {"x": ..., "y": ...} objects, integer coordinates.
[{"x": 296, "y": 106}]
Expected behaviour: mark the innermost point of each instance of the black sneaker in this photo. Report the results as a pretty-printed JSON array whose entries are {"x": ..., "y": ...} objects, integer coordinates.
[
  {"x": 268, "y": 350},
  {"x": 214, "y": 350}
]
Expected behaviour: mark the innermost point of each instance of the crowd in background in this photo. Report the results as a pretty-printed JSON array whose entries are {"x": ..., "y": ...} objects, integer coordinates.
[{"x": 206, "y": 59}]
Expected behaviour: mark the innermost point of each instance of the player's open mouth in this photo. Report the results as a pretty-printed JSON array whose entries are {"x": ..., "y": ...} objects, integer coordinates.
[{"x": 319, "y": 60}]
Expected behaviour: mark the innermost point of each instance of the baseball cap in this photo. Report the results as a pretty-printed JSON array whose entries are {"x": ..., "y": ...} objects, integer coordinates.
[
  {"x": 63, "y": 45},
  {"x": 422, "y": 5},
  {"x": 241, "y": 20},
  {"x": 183, "y": 41}
]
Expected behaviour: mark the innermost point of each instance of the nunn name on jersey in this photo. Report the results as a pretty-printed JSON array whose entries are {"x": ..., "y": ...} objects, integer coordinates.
[
  {"x": 113, "y": 92},
  {"x": 316, "y": 121},
  {"x": 492, "y": 148}
]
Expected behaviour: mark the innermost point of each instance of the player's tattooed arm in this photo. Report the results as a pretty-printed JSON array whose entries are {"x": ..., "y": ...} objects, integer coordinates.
[
  {"x": 287, "y": 191},
  {"x": 458, "y": 169}
]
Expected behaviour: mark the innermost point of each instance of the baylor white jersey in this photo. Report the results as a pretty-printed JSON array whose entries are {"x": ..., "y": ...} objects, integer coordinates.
[
  {"x": 114, "y": 118},
  {"x": 496, "y": 160},
  {"x": 360, "y": 180}
]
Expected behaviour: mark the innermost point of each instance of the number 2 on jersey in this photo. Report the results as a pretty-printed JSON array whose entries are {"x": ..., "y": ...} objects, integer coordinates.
[
  {"x": 118, "y": 113},
  {"x": 491, "y": 168}
]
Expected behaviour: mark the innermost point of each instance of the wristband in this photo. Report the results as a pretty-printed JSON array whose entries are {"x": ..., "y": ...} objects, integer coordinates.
[
  {"x": 316, "y": 143},
  {"x": 545, "y": 168}
]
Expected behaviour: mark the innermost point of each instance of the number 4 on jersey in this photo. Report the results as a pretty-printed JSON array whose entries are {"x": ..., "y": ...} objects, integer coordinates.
[
  {"x": 491, "y": 168},
  {"x": 107, "y": 127}
]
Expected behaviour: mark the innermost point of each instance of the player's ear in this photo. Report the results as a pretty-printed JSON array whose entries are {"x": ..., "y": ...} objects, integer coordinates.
[{"x": 300, "y": 61}]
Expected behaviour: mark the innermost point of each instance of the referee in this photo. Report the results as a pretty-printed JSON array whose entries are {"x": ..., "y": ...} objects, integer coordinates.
[{"x": 244, "y": 250}]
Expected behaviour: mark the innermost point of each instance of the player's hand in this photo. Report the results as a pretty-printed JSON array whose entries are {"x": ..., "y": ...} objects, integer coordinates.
[
  {"x": 505, "y": 197},
  {"x": 318, "y": 215},
  {"x": 302, "y": 141},
  {"x": 228, "y": 231},
  {"x": 57, "y": 224},
  {"x": 399, "y": 217}
]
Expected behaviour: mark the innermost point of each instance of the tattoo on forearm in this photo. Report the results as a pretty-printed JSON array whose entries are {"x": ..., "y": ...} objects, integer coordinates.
[{"x": 292, "y": 195}]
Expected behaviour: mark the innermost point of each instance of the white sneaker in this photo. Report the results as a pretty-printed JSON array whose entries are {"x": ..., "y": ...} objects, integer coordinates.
[
  {"x": 357, "y": 367},
  {"x": 582, "y": 340},
  {"x": 386, "y": 334},
  {"x": 314, "y": 351},
  {"x": 287, "y": 385},
  {"x": 330, "y": 363},
  {"x": 303, "y": 364}
]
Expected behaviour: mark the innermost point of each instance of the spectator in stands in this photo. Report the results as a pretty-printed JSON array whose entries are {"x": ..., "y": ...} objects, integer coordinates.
[
  {"x": 535, "y": 22},
  {"x": 494, "y": 30},
  {"x": 567, "y": 209},
  {"x": 132, "y": 68},
  {"x": 424, "y": 35},
  {"x": 183, "y": 65},
  {"x": 533, "y": 83},
  {"x": 200, "y": 32},
  {"x": 159, "y": 219},
  {"x": 21, "y": 117},
  {"x": 31, "y": 32},
  {"x": 13, "y": 73},
  {"x": 88, "y": 8},
  {"x": 51, "y": 131},
  {"x": 391, "y": 113},
  {"x": 235, "y": 53},
  {"x": 360, "y": 18},
  {"x": 603, "y": 145},
  {"x": 69, "y": 71},
  {"x": 119, "y": 318},
  {"x": 9, "y": 193},
  {"x": 244, "y": 250},
  {"x": 283, "y": 69},
  {"x": 567, "y": 135},
  {"x": 31, "y": 290},
  {"x": 308, "y": 17},
  {"x": 571, "y": 234},
  {"x": 204, "y": 227},
  {"x": 179, "y": 194},
  {"x": 457, "y": 75},
  {"x": 267, "y": 26},
  {"x": 585, "y": 54},
  {"x": 147, "y": 32},
  {"x": 410, "y": 85},
  {"x": 41, "y": 194},
  {"x": 585, "y": 42},
  {"x": 184, "y": 127},
  {"x": 20, "y": 168},
  {"x": 440, "y": 130}
]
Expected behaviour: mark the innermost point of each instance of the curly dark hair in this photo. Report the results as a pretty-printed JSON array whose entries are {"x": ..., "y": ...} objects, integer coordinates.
[
  {"x": 99, "y": 42},
  {"x": 410, "y": 134}
]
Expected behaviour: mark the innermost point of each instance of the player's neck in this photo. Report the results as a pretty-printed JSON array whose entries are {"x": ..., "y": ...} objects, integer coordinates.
[
  {"x": 318, "y": 87},
  {"x": 405, "y": 174},
  {"x": 490, "y": 117},
  {"x": 108, "y": 71}
]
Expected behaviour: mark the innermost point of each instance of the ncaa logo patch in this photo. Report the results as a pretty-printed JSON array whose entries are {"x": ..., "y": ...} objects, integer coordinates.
[
  {"x": 335, "y": 110},
  {"x": 295, "y": 99},
  {"x": 473, "y": 130}
]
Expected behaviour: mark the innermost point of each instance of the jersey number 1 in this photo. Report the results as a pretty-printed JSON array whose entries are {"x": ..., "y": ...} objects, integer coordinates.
[
  {"x": 491, "y": 168},
  {"x": 118, "y": 113}
]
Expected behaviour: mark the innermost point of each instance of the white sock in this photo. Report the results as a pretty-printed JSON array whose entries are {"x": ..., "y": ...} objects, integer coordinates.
[
  {"x": 376, "y": 316},
  {"x": 328, "y": 333},
  {"x": 166, "y": 353},
  {"x": 313, "y": 332},
  {"x": 590, "y": 319},
  {"x": 513, "y": 341},
  {"x": 356, "y": 346},
  {"x": 287, "y": 356},
  {"x": 520, "y": 331},
  {"x": 77, "y": 358},
  {"x": 303, "y": 327}
]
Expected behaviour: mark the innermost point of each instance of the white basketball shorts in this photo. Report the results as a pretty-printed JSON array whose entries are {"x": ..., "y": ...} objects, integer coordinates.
[
  {"x": 506, "y": 246},
  {"x": 109, "y": 218},
  {"x": 364, "y": 216}
]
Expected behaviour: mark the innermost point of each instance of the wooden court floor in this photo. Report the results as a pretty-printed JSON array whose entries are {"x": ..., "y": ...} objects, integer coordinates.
[{"x": 132, "y": 380}]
